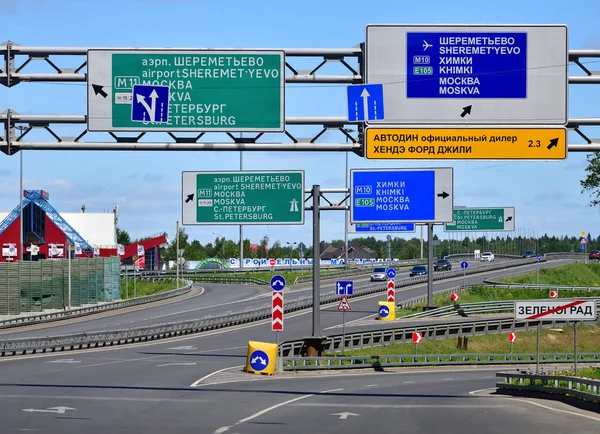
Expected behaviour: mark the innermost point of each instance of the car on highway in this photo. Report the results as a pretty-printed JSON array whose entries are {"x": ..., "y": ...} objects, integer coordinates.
[
  {"x": 487, "y": 256},
  {"x": 529, "y": 254},
  {"x": 442, "y": 265},
  {"x": 418, "y": 270},
  {"x": 595, "y": 255},
  {"x": 379, "y": 273}
]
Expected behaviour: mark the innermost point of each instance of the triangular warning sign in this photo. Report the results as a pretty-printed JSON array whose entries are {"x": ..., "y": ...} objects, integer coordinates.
[{"x": 344, "y": 305}]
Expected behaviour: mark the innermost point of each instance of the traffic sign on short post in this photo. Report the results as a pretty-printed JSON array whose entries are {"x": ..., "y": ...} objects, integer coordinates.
[
  {"x": 186, "y": 90},
  {"x": 277, "y": 309},
  {"x": 387, "y": 311},
  {"x": 247, "y": 197},
  {"x": 553, "y": 294},
  {"x": 402, "y": 195},
  {"x": 512, "y": 337},
  {"x": 391, "y": 290},
  {"x": 464, "y": 265},
  {"x": 417, "y": 338},
  {"x": 469, "y": 74},
  {"x": 482, "y": 220},
  {"x": 365, "y": 102},
  {"x": 578, "y": 310},
  {"x": 454, "y": 297},
  {"x": 344, "y": 287},
  {"x": 344, "y": 305}
]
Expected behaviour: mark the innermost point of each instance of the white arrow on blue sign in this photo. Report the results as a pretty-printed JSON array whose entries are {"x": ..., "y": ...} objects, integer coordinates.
[
  {"x": 277, "y": 283},
  {"x": 464, "y": 265},
  {"x": 539, "y": 258},
  {"x": 259, "y": 360},
  {"x": 391, "y": 273},
  {"x": 384, "y": 311},
  {"x": 344, "y": 287},
  {"x": 365, "y": 102}
]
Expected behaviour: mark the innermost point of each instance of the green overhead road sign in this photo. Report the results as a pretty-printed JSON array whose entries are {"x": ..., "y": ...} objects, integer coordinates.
[
  {"x": 482, "y": 220},
  {"x": 243, "y": 198},
  {"x": 186, "y": 90}
]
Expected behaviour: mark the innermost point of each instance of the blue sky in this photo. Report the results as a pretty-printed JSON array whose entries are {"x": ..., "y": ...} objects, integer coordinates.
[{"x": 146, "y": 185}]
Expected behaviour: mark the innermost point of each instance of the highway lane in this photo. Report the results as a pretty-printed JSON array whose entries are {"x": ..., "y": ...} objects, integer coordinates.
[
  {"x": 181, "y": 361},
  {"x": 407, "y": 402},
  {"x": 217, "y": 299}
]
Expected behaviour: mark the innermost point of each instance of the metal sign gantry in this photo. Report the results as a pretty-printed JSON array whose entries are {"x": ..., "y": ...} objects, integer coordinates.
[{"x": 18, "y": 61}]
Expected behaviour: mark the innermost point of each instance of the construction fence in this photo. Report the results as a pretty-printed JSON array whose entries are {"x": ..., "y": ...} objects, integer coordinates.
[{"x": 35, "y": 286}]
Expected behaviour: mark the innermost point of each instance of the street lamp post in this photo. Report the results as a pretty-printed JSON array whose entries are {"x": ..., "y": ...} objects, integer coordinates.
[
  {"x": 223, "y": 244},
  {"x": 291, "y": 252}
]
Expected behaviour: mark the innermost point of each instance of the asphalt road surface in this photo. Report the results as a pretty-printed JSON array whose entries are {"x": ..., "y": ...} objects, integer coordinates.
[
  {"x": 429, "y": 402},
  {"x": 218, "y": 299}
]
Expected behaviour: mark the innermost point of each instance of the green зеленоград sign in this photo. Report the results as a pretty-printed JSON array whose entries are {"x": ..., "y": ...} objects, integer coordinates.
[
  {"x": 218, "y": 91},
  {"x": 251, "y": 197},
  {"x": 478, "y": 219}
]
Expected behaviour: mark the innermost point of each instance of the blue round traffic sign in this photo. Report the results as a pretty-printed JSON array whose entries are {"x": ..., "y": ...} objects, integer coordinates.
[
  {"x": 384, "y": 311},
  {"x": 539, "y": 257},
  {"x": 259, "y": 360},
  {"x": 464, "y": 265},
  {"x": 391, "y": 273},
  {"x": 277, "y": 283}
]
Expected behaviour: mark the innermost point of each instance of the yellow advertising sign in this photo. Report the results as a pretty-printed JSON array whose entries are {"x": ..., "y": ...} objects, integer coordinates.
[{"x": 466, "y": 143}]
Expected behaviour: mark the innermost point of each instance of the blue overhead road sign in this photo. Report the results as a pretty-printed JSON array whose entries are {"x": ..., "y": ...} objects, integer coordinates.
[
  {"x": 150, "y": 104},
  {"x": 259, "y": 360},
  {"x": 466, "y": 65},
  {"x": 401, "y": 195},
  {"x": 365, "y": 102},
  {"x": 391, "y": 273},
  {"x": 277, "y": 283},
  {"x": 344, "y": 287}
]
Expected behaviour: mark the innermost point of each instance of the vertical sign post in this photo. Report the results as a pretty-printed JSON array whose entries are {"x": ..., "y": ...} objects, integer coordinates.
[
  {"x": 344, "y": 288},
  {"x": 391, "y": 285},
  {"x": 464, "y": 265},
  {"x": 539, "y": 258},
  {"x": 277, "y": 285},
  {"x": 575, "y": 345}
]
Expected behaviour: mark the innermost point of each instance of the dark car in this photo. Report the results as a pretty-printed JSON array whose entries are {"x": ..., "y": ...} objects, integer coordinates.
[
  {"x": 418, "y": 270},
  {"x": 595, "y": 255},
  {"x": 442, "y": 265},
  {"x": 529, "y": 254}
]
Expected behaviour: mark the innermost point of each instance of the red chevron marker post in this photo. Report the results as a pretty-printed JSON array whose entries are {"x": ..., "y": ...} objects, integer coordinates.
[
  {"x": 391, "y": 290},
  {"x": 277, "y": 311}
]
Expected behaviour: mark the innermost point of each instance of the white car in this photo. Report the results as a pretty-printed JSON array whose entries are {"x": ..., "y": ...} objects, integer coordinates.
[{"x": 487, "y": 256}]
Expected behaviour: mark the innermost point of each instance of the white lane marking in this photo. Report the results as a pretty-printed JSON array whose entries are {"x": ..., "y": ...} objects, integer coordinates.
[
  {"x": 209, "y": 307},
  {"x": 408, "y": 382},
  {"x": 342, "y": 405},
  {"x": 177, "y": 364},
  {"x": 197, "y": 382},
  {"x": 447, "y": 379},
  {"x": 371, "y": 385},
  {"x": 102, "y": 398},
  {"x": 266, "y": 410},
  {"x": 574, "y": 413},
  {"x": 64, "y": 361},
  {"x": 184, "y": 347}
]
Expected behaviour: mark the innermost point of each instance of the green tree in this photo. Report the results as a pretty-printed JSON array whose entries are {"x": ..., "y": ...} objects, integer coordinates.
[
  {"x": 123, "y": 237},
  {"x": 591, "y": 183},
  {"x": 263, "y": 247}
]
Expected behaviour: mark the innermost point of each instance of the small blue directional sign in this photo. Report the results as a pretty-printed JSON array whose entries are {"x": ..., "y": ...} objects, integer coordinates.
[
  {"x": 583, "y": 246},
  {"x": 277, "y": 283},
  {"x": 384, "y": 311},
  {"x": 391, "y": 273},
  {"x": 365, "y": 102},
  {"x": 539, "y": 257},
  {"x": 466, "y": 65},
  {"x": 344, "y": 287},
  {"x": 150, "y": 103},
  {"x": 259, "y": 360},
  {"x": 384, "y": 227},
  {"x": 464, "y": 265},
  {"x": 401, "y": 195}
]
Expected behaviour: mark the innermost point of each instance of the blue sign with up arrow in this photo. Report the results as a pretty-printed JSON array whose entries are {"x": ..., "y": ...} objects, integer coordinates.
[
  {"x": 150, "y": 104},
  {"x": 464, "y": 265},
  {"x": 365, "y": 102},
  {"x": 277, "y": 283},
  {"x": 344, "y": 287},
  {"x": 259, "y": 360},
  {"x": 384, "y": 311}
]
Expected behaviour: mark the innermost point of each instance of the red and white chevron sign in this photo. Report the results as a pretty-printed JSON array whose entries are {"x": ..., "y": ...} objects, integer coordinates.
[
  {"x": 417, "y": 337},
  {"x": 512, "y": 337},
  {"x": 391, "y": 291},
  {"x": 277, "y": 311},
  {"x": 553, "y": 294},
  {"x": 454, "y": 296}
]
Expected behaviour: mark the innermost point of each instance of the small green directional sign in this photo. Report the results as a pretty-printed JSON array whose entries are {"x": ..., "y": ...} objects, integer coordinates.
[{"x": 482, "y": 220}]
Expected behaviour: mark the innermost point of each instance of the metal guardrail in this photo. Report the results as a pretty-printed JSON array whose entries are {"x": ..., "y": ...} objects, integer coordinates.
[
  {"x": 88, "y": 310},
  {"x": 142, "y": 334},
  {"x": 388, "y": 361},
  {"x": 585, "y": 388},
  {"x": 228, "y": 279},
  {"x": 462, "y": 309},
  {"x": 496, "y": 284},
  {"x": 344, "y": 273},
  {"x": 403, "y": 334}
]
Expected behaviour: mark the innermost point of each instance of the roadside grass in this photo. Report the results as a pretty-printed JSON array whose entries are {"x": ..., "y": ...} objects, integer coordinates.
[
  {"x": 145, "y": 287},
  {"x": 568, "y": 275},
  {"x": 481, "y": 293},
  {"x": 552, "y": 341}
]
